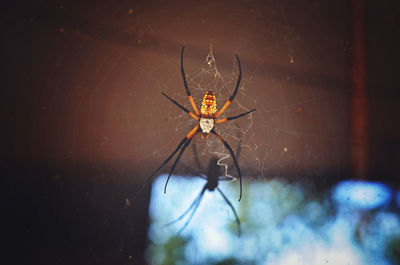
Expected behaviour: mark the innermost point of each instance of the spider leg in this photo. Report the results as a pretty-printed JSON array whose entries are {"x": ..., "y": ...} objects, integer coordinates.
[
  {"x": 194, "y": 210},
  {"x": 233, "y": 210},
  {"x": 195, "y": 202},
  {"x": 234, "y": 117},
  {"x": 186, "y": 86},
  {"x": 228, "y": 102},
  {"x": 233, "y": 157},
  {"x": 184, "y": 140},
  {"x": 182, "y": 107},
  {"x": 189, "y": 139},
  {"x": 169, "y": 158}
]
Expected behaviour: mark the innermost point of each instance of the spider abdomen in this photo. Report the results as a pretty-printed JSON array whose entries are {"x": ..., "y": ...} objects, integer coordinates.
[
  {"x": 209, "y": 104},
  {"x": 206, "y": 125}
]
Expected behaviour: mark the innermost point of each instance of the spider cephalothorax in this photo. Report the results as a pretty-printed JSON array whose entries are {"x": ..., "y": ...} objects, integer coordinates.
[
  {"x": 207, "y": 119},
  {"x": 206, "y": 125}
]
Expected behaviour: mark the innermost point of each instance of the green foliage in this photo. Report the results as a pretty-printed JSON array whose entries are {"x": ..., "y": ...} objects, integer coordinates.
[
  {"x": 393, "y": 250},
  {"x": 174, "y": 251}
]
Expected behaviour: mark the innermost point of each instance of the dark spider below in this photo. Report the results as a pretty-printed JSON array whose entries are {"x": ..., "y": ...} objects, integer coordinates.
[{"x": 213, "y": 178}]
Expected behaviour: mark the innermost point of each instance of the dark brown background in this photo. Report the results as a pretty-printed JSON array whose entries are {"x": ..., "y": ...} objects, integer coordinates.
[{"x": 84, "y": 123}]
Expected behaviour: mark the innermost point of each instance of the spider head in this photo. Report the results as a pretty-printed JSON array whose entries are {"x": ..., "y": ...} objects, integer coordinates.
[{"x": 209, "y": 104}]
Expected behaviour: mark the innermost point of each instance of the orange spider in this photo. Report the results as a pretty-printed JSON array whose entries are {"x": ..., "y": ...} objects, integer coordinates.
[{"x": 207, "y": 119}]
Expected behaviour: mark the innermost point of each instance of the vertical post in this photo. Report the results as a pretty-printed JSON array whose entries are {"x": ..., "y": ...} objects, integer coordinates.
[{"x": 359, "y": 125}]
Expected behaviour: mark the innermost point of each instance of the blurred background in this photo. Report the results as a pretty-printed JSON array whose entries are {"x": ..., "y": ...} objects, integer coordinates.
[{"x": 85, "y": 124}]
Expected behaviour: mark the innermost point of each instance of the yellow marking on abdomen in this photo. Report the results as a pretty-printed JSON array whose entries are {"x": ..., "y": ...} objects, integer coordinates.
[{"x": 209, "y": 104}]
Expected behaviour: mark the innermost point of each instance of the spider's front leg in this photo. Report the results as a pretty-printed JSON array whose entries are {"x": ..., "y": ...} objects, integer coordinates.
[
  {"x": 229, "y": 101},
  {"x": 186, "y": 85}
]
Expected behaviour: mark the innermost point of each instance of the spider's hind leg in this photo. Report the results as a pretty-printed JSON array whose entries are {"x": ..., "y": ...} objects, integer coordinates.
[
  {"x": 227, "y": 146},
  {"x": 188, "y": 137}
]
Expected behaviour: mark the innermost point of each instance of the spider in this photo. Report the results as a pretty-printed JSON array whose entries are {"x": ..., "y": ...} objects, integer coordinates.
[
  {"x": 212, "y": 178},
  {"x": 207, "y": 118}
]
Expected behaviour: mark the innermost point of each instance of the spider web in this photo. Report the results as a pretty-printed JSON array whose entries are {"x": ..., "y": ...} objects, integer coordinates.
[
  {"x": 235, "y": 132},
  {"x": 103, "y": 68},
  {"x": 109, "y": 108}
]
